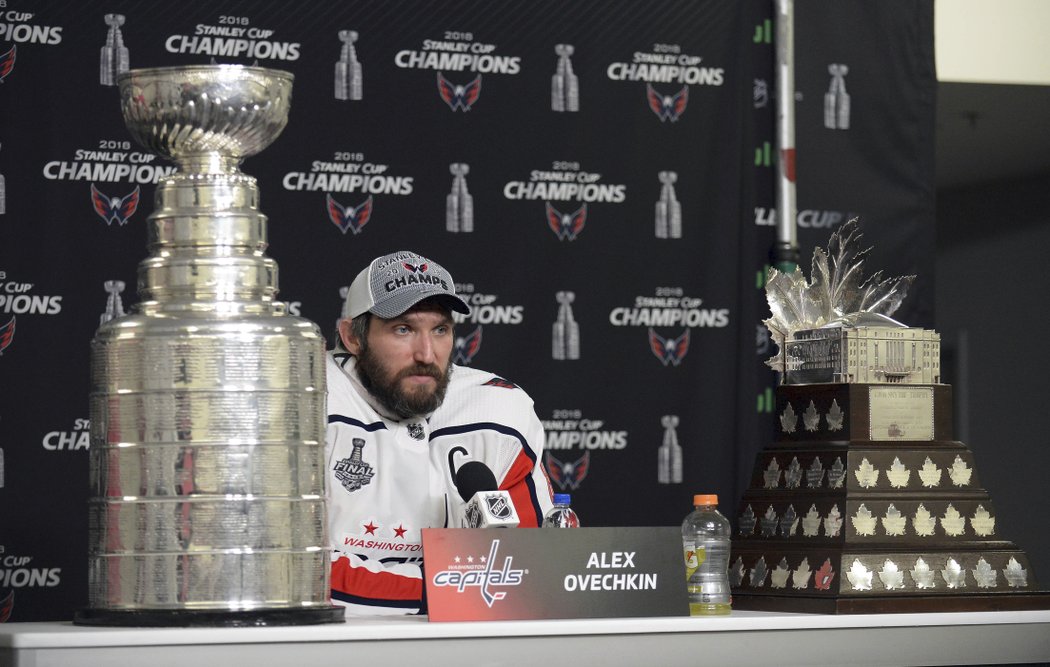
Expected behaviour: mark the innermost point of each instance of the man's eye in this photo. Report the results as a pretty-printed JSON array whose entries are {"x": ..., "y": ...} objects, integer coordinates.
[
  {"x": 401, "y": 330},
  {"x": 442, "y": 330}
]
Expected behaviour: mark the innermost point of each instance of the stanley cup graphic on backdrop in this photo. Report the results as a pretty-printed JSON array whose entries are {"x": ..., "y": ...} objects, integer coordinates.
[
  {"x": 565, "y": 87},
  {"x": 114, "y": 304},
  {"x": 836, "y": 100},
  {"x": 669, "y": 455},
  {"x": 348, "y": 80},
  {"x": 207, "y": 400},
  {"x": 668, "y": 208},
  {"x": 114, "y": 58},
  {"x": 459, "y": 204},
  {"x": 565, "y": 339}
]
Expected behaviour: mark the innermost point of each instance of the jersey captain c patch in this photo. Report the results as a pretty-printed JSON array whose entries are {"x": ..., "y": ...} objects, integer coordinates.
[{"x": 353, "y": 472}]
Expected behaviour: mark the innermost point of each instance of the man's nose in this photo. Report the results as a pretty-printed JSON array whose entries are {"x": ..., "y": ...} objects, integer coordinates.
[{"x": 423, "y": 351}]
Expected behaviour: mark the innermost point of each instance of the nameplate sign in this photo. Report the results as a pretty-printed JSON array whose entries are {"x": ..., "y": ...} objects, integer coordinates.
[{"x": 540, "y": 573}]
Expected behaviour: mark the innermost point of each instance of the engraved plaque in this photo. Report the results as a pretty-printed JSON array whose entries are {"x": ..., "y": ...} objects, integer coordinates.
[{"x": 900, "y": 413}]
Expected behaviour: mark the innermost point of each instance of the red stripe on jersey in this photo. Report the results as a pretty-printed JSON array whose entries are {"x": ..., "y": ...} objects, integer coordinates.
[
  {"x": 514, "y": 482},
  {"x": 364, "y": 583}
]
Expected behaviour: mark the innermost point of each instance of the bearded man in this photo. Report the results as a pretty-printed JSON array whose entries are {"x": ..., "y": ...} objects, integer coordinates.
[{"x": 401, "y": 419}]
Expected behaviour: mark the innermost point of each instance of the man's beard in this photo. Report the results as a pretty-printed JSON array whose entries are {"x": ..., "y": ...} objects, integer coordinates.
[{"x": 376, "y": 378}]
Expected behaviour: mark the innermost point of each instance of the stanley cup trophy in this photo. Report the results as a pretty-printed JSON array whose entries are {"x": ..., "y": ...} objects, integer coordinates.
[
  {"x": 864, "y": 502},
  {"x": 207, "y": 399}
]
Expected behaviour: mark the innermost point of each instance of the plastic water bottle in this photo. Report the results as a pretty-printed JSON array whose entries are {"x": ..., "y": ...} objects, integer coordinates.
[
  {"x": 706, "y": 537},
  {"x": 561, "y": 515}
]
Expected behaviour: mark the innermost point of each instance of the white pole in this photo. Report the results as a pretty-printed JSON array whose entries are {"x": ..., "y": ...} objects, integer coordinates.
[{"x": 785, "y": 251}]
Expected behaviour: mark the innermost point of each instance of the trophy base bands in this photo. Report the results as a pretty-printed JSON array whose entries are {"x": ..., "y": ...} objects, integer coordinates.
[
  {"x": 892, "y": 604},
  {"x": 186, "y": 618}
]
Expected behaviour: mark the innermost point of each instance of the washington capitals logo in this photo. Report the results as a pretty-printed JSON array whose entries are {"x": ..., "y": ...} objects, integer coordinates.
[
  {"x": 347, "y": 217},
  {"x": 459, "y": 97},
  {"x": 566, "y": 226},
  {"x": 466, "y": 347},
  {"x": 669, "y": 350},
  {"x": 415, "y": 268},
  {"x": 667, "y": 107},
  {"x": 115, "y": 209},
  {"x": 7, "y": 62},
  {"x": 568, "y": 475},
  {"x": 7, "y": 605},
  {"x": 7, "y": 334}
]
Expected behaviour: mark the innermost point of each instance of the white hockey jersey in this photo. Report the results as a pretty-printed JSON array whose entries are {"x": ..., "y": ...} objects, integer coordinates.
[{"x": 387, "y": 478}]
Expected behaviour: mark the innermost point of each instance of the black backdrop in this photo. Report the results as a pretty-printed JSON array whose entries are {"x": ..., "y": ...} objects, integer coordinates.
[{"x": 607, "y": 411}]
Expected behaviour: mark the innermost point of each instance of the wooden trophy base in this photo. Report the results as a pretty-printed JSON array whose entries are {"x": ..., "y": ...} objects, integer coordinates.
[{"x": 864, "y": 504}]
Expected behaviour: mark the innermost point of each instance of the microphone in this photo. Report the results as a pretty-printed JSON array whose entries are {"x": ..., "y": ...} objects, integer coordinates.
[{"x": 487, "y": 506}]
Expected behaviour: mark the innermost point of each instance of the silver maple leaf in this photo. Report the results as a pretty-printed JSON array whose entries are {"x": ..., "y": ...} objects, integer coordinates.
[{"x": 835, "y": 293}]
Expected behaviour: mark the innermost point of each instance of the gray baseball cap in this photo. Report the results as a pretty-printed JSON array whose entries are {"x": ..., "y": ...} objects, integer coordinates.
[{"x": 393, "y": 283}]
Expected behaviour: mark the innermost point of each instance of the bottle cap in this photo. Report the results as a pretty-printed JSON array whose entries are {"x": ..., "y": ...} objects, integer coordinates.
[
  {"x": 561, "y": 498},
  {"x": 705, "y": 499}
]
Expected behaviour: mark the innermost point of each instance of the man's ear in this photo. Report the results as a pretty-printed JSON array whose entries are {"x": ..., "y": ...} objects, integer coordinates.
[{"x": 350, "y": 341}]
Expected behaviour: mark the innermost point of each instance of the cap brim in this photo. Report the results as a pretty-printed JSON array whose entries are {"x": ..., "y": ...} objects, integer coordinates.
[{"x": 391, "y": 310}]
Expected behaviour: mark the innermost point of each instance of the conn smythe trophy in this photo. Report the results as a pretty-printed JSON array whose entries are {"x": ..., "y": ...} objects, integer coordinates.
[
  {"x": 207, "y": 400},
  {"x": 864, "y": 502}
]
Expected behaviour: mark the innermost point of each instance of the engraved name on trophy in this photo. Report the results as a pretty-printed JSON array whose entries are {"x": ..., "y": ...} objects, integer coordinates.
[
  {"x": 113, "y": 59},
  {"x": 565, "y": 86},
  {"x": 459, "y": 203},
  {"x": 565, "y": 333},
  {"x": 207, "y": 399},
  {"x": 864, "y": 502},
  {"x": 349, "y": 82},
  {"x": 668, "y": 208}
]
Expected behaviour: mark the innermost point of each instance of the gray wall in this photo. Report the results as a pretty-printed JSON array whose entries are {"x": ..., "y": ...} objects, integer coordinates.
[{"x": 993, "y": 313}]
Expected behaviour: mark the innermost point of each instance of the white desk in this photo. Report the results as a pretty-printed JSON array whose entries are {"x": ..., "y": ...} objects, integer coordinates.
[{"x": 744, "y": 638}]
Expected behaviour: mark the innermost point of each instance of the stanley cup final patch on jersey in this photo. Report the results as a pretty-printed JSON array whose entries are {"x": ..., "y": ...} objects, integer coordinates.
[{"x": 353, "y": 472}]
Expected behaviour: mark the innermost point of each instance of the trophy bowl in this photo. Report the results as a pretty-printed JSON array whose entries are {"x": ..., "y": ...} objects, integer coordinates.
[{"x": 231, "y": 110}]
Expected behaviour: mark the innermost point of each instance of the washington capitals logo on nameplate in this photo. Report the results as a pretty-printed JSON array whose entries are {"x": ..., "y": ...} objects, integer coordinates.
[
  {"x": 667, "y": 107},
  {"x": 458, "y": 97},
  {"x": 115, "y": 209},
  {"x": 353, "y": 472},
  {"x": 669, "y": 350},
  {"x": 353, "y": 218}
]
